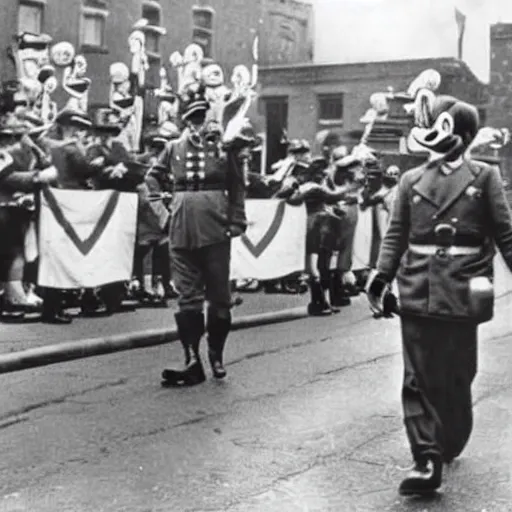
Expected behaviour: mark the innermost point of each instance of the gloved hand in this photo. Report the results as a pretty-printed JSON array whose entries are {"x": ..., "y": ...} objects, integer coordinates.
[
  {"x": 235, "y": 230},
  {"x": 383, "y": 302}
]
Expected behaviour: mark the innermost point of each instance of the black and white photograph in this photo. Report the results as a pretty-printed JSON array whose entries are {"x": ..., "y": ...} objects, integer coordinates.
[{"x": 255, "y": 256}]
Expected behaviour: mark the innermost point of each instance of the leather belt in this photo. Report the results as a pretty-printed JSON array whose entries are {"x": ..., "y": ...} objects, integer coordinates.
[
  {"x": 192, "y": 187},
  {"x": 436, "y": 250},
  {"x": 466, "y": 240}
]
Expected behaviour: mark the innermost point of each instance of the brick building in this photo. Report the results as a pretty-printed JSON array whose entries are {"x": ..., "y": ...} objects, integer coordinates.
[
  {"x": 99, "y": 29},
  {"x": 304, "y": 99}
]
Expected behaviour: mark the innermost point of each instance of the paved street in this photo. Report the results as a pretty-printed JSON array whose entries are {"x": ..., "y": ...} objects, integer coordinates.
[
  {"x": 308, "y": 420},
  {"x": 29, "y": 333}
]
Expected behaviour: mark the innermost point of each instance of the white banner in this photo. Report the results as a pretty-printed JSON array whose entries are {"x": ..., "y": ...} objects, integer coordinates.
[
  {"x": 362, "y": 240},
  {"x": 274, "y": 244},
  {"x": 86, "y": 238}
]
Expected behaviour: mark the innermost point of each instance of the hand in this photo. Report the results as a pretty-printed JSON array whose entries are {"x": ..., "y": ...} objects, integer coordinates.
[
  {"x": 118, "y": 171},
  {"x": 26, "y": 201},
  {"x": 99, "y": 161},
  {"x": 376, "y": 288},
  {"x": 48, "y": 175},
  {"x": 235, "y": 230}
]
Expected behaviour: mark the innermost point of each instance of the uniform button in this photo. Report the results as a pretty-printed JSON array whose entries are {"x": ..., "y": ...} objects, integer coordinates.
[
  {"x": 435, "y": 216},
  {"x": 455, "y": 220}
]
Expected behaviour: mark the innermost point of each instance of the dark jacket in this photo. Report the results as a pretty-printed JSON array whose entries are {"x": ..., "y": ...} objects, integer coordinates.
[
  {"x": 209, "y": 192},
  {"x": 472, "y": 200}
]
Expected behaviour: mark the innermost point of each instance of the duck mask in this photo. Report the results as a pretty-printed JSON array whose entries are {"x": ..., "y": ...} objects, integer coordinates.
[{"x": 453, "y": 124}]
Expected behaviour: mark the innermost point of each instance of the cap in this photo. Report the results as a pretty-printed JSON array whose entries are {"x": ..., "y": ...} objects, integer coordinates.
[
  {"x": 347, "y": 163},
  {"x": 297, "y": 146},
  {"x": 193, "y": 100},
  {"x": 339, "y": 152}
]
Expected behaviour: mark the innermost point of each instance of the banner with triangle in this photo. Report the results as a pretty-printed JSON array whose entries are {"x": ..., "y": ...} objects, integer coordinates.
[
  {"x": 274, "y": 244},
  {"x": 86, "y": 237}
]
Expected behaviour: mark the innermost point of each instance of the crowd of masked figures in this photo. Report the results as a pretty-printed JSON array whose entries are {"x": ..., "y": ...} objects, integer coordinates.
[{"x": 340, "y": 187}]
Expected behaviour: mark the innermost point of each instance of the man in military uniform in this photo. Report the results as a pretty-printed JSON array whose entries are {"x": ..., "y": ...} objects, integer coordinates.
[
  {"x": 447, "y": 217},
  {"x": 74, "y": 172},
  {"x": 345, "y": 170},
  {"x": 207, "y": 210}
]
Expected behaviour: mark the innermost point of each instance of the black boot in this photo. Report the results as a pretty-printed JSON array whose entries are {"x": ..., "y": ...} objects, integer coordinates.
[
  {"x": 53, "y": 311},
  {"x": 318, "y": 305},
  {"x": 424, "y": 479},
  {"x": 218, "y": 330},
  {"x": 190, "y": 329},
  {"x": 327, "y": 287},
  {"x": 337, "y": 292}
]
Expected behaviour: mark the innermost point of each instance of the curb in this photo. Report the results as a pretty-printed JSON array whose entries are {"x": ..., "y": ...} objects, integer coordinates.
[{"x": 71, "y": 350}]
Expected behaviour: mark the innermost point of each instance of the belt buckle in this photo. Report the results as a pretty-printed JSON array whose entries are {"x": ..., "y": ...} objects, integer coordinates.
[{"x": 442, "y": 252}]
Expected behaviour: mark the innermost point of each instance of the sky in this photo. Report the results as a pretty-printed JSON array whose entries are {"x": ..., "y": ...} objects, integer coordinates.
[{"x": 375, "y": 30}]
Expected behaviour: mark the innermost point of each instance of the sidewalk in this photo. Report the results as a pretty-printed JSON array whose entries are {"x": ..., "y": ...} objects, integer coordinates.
[{"x": 32, "y": 333}]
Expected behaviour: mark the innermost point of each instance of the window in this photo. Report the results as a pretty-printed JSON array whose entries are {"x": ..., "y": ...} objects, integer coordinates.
[
  {"x": 330, "y": 109},
  {"x": 202, "y": 32},
  {"x": 30, "y": 17},
  {"x": 93, "y": 23},
  {"x": 152, "y": 11}
]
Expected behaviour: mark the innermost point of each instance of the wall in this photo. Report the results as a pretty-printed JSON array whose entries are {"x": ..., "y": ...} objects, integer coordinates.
[
  {"x": 302, "y": 84},
  {"x": 499, "y": 113},
  {"x": 236, "y": 23}
]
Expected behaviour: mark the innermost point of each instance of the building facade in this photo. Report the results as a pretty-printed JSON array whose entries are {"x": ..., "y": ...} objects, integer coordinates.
[
  {"x": 99, "y": 29},
  {"x": 305, "y": 99}
]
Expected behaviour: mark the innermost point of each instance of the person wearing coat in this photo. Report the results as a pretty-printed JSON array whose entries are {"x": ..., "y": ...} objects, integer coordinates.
[
  {"x": 311, "y": 187},
  {"x": 152, "y": 261},
  {"x": 207, "y": 211},
  {"x": 22, "y": 172},
  {"x": 347, "y": 171},
  {"x": 117, "y": 169},
  {"x": 447, "y": 218}
]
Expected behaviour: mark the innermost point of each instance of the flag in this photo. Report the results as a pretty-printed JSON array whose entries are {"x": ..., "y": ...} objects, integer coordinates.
[
  {"x": 274, "y": 244},
  {"x": 460, "y": 19},
  {"x": 86, "y": 237}
]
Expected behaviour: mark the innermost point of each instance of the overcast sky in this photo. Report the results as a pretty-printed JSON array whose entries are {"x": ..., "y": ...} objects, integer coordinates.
[{"x": 369, "y": 30}]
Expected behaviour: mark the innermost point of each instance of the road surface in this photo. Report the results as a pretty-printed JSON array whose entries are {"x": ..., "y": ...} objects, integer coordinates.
[{"x": 308, "y": 419}]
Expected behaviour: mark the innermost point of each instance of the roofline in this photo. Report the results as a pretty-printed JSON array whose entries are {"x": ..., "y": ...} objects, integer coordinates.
[{"x": 429, "y": 62}]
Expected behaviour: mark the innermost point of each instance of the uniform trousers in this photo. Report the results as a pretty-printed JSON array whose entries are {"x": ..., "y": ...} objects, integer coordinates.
[
  {"x": 440, "y": 363},
  {"x": 13, "y": 226},
  {"x": 202, "y": 274},
  {"x": 346, "y": 236}
]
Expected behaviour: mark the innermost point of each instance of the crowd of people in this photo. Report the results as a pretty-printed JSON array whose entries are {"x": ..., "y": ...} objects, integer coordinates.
[
  {"x": 336, "y": 187},
  {"x": 115, "y": 148},
  {"x": 76, "y": 149}
]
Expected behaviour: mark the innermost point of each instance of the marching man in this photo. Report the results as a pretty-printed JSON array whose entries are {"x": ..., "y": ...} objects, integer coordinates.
[
  {"x": 207, "y": 210},
  {"x": 447, "y": 217}
]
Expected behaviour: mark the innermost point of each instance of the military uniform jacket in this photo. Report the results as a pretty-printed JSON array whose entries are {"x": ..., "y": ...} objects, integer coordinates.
[
  {"x": 17, "y": 171},
  {"x": 73, "y": 167},
  {"x": 472, "y": 200},
  {"x": 209, "y": 192}
]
